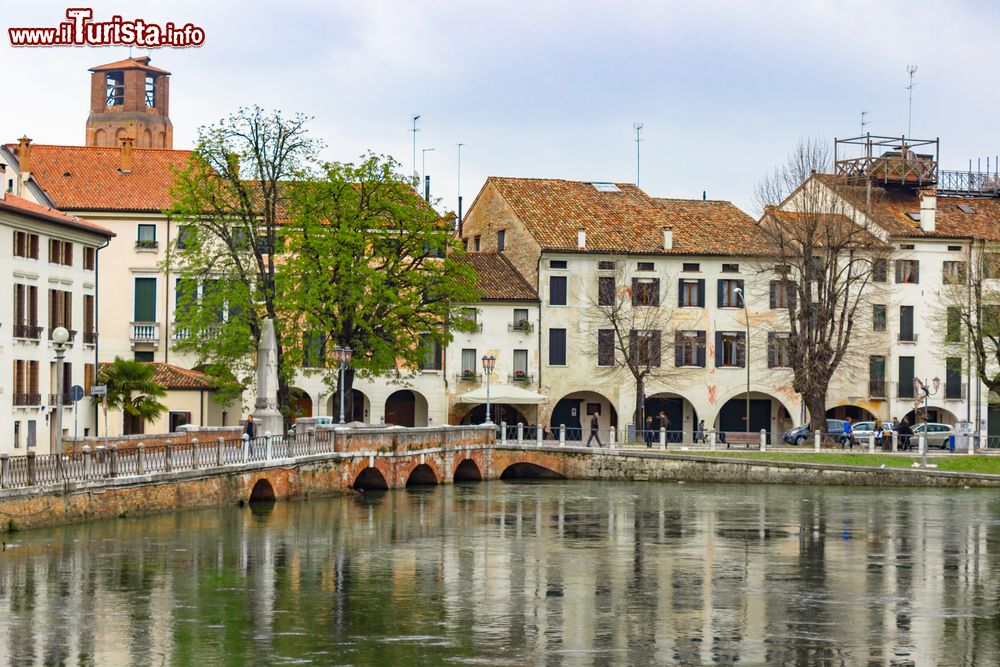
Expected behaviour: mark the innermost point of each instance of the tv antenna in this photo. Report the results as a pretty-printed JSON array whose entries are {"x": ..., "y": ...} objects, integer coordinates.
[
  {"x": 911, "y": 70},
  {"x": 414, "y": 163},
  {"x": 864, "y": 122},
  {"x": 638, "y": 137}
]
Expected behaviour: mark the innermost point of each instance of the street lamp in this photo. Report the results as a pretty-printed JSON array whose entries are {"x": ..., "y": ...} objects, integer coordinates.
[
  {"x": 59, "y": 337},
  {"x": 923, "y": 394},
  {"x": 342, "y": 355},
  {"x": 746, "y": 350},
  {"x": 489, "y": 363}
]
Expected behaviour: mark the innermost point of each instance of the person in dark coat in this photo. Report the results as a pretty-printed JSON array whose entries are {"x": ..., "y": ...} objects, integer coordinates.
[
  {"x": 249, "y": 429},
  {"x": 647, "y": 433},
  {"x": 905, "y": 431},
  {"x": 664, "y": 423},
  {"x": 594, "y": 428}
]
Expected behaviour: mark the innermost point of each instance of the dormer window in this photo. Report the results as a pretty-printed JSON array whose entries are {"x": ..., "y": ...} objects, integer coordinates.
[
  {"x": 150, "y": 92},
  {"x": 115, "y": 86}
]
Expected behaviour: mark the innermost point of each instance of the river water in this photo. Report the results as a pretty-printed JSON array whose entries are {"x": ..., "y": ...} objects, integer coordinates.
[{"x": 526, "y": 573}]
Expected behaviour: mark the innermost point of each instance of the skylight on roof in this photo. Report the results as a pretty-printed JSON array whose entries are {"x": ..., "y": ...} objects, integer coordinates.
[
  {"x": 605, "y": 187},
  {"x": 965, "y": 208},
  {"x": 915, "y": 217}
]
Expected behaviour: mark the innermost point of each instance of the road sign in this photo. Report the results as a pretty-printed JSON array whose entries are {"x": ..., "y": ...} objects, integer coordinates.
[
  {"x": 98, "y": 390},
  {"x": 75, "y": 393}
]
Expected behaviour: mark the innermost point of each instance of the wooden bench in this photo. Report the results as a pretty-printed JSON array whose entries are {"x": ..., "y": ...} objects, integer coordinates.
[{"x": 740, "y": 438}]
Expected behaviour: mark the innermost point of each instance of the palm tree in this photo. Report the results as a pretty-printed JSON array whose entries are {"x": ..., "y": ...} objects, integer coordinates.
[{"x": 131, "y": 388}]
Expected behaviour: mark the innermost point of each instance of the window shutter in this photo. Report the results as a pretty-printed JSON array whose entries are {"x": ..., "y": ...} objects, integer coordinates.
[
  {"x": 68, "y": 305},
  {"x": 701, "y": 292},
  {"x": 32, "y": 314},
  {"x": 18, "y": 304},
  {"x": 718, "y": 349},
  {"x": 720, "y": 283},
  {"x": 678, "y": 349},
  {"x": 34, "y": 245},
  {"x": 701, "y": 349},
  {"x": 635, "y": 291},
  {"x": 655, "y": 349},
  {"x": 52, "y": 310},
  {"x": 774, "y": 294},
  {"x": 633, "y": 345},
  {"x": 771, "y": 351},
  {"x": 916, "y": 271},
  {"x": 741, "y": 349},
  {"x": 899, "y": 270},
  {"x": 68, "y": 254},
  {"x": 656, "y": 293},
  {"x": 680, "y": 293}
]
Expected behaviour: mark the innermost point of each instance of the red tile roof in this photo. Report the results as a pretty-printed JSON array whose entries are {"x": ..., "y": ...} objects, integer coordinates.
[
  {"x": 130, "y": 63},
  {"x": 19, "y": 205},
  {"x": 497, "y": 279},
  {"x": 87, "y": 178},
  {"x": 177, "y": 378},
  {"x": 627, "y": 219},
  {"x": 890, "y": 207}
]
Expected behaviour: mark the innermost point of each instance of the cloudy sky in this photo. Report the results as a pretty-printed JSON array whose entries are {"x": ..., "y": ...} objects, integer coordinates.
[{"x": 552, "y": 88}]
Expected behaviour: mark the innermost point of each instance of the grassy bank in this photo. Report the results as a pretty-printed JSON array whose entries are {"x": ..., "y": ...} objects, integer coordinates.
[{"x": 953, "y": 463}]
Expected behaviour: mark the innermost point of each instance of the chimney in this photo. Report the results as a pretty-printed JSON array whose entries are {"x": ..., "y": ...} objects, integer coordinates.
[
  {"x": 928, "y": 210},
  {"x": 668, "y": 238},
  {"x": 581, "y": 238},
  {"x": 23, "y": 164},
  {"x": 126, "y": 156}
]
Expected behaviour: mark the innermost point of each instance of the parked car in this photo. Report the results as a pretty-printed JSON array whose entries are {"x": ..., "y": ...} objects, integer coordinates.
[
  {"x": 937, "y": 435},
  {"x": 862, "y": 430},
  {"x": 834, "y": 429}
]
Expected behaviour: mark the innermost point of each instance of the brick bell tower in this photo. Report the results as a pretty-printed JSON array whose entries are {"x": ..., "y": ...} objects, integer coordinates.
[{"x": 129, "y": 98}]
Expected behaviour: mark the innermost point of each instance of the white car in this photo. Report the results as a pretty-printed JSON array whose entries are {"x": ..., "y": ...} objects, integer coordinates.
[{"x": 937, "y": 435}]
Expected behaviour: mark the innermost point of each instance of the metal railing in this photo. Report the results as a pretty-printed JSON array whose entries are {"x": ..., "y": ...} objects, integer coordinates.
[
  {"x": 147, "y": 244},
  {"x": 27, "y": 399},
  {"x": 906, "y": 337},
  {"x": 523, "y": 326},
  {"x": 878, "y": 389},
  {"x": 27, "y": 331},
  {"x": 468, "y": 377},
  {"x": 67, "y": 399},
  {"x": 972, "y": 182},
  {"x": 954, "y": 391},
  {"x": 90, "y": 338},
  {"x": 522, "y": 378}
]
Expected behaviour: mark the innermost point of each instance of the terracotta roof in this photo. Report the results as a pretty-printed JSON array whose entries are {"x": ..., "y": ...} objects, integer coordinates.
[
  {"x": 890, "y": 207},
  {"x": 497, "y": 279},
  {"x": 14, "y": 204},
  {"x": 175, "y": 377},
  {"x": 87, "y": 178},
  {"x": 625, "y": 219},
  {"x": 130, "y": 63}
]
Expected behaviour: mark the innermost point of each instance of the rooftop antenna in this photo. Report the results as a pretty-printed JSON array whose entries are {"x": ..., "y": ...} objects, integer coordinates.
[
  {"x": 414, "y": 163},
  {"x": 423, "y": 156},
  {"x": 638, "y": 132},
  {"x": 911, "y": 70},
  {"x": 864, "y": 122},
  {"x": 460, "y": 144}
]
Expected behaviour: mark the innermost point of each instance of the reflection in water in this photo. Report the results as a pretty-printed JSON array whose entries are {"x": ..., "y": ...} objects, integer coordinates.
[{"x": 517, "y": 573}]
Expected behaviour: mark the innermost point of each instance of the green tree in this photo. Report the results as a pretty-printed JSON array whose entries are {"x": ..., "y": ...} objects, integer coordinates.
[
  {"x": 372, "y": 267},
  {"x": 229, "y": 202},
  {"x": 131, "y": 388}
]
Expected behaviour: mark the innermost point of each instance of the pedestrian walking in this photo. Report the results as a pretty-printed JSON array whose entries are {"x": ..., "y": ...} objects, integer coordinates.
[
  {"x": 699, "y": 434},
  {"x": 594, "y": 428},
  {"x": 878, "y": 430},
  {"x": 905, "y": 431},
  {"x": 647, "y": 433},
  {"x": 664, "y": 422},
  {"x": 249, "y": 430}
]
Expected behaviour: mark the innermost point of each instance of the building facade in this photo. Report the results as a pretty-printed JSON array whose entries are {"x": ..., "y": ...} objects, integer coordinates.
[{"x": 49, "y": 280}]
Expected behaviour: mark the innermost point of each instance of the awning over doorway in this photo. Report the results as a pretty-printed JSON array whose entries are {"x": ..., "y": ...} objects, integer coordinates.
[{"x": 504, "y": 393}]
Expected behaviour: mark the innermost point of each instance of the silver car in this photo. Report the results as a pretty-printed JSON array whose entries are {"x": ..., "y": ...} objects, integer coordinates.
[
  {"x": 937, "y": 435},
  {"x": 863, "y": 429}
]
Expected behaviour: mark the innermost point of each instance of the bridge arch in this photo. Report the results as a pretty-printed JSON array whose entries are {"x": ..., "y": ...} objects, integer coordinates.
[
  {"x": 468, "y": 471},
  {"x": 370, "y": 479},
  {"x": 262, "y": 491},
  {"x": 525, "y": 470},
  {"x": 422, "y": 475}
]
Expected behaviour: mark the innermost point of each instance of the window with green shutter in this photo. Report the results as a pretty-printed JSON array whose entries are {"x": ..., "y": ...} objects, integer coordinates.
[{"x": 145, "y": 300}]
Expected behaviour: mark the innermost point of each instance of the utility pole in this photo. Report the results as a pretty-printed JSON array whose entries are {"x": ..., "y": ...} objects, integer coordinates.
[
  {"x": 423, "y": 171},
  {"x": 638, "y": 131},
  {"x": 414, "y": 163},
  {"x": 911, "y": 70},
  {"x": 460, "y": 144}
]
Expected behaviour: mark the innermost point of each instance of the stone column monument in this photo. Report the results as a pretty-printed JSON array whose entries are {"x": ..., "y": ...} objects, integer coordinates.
[{"x": 266, "y": 414}]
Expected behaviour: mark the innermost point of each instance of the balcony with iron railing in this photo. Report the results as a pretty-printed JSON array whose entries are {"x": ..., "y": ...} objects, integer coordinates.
[
  {"x": 905, "y": 390},
  {"x": 90, "y": 338},
  {"x": 878, "y": 389},
  {"x": 954, "y": 391},
  {"x": 969, "y": 182},
  {"x": 522, "y": 377},
  {"x": 183, "y": 333},
  {"x": 523, "y": 326},
  {"x": 468, "y": 376},
  {"x": 144, "y": 332},
  {"x": 147, "y": 244},
  {"x": 27, "y": 400},
  {"x": 67, "y": 399},
  {"x": 27, "y": 332},
  {"x": 909, "y": 337}
]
